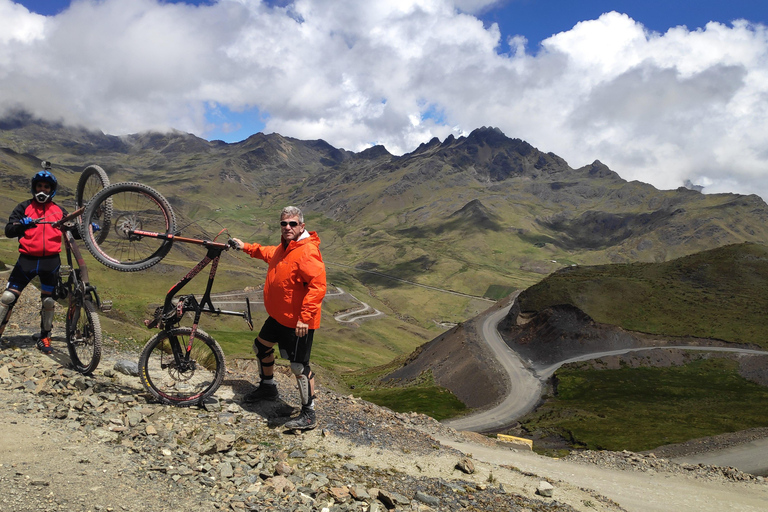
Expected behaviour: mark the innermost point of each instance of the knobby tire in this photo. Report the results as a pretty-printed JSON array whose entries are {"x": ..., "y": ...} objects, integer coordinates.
[
  {"x": 92, "y": 180},
  {"x": 164, "y": 380},
  {"x": 83, "y": 335},
  {"x": 134, "y": 207}
]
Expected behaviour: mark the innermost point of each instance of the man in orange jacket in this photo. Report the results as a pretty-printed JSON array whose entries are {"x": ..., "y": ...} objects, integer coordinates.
[{"x": 293, "y": 295}]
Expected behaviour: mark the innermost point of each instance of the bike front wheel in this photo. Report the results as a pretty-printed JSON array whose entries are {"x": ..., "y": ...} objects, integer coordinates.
[
  {"x": 176, "y": 379},
  {"x": 83, "y": 336},
  {"x": 93, "y": 180},
  {"x": 135, "y": 207}
]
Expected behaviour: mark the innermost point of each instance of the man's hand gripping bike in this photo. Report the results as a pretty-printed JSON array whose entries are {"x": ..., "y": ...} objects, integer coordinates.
[{"x": 179, "y": 365}]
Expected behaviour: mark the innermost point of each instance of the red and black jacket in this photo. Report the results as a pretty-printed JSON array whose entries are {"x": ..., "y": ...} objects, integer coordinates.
[{"x": 37, "y": 240}]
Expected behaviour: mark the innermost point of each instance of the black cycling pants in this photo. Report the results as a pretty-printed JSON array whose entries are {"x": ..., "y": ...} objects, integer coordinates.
[{"x": 27, "y": 267}]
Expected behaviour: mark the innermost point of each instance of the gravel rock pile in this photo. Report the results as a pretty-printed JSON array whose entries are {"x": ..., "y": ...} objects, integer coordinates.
[
  {"x": 631, "y": 461},
  {"x": 231, "y": 456}
]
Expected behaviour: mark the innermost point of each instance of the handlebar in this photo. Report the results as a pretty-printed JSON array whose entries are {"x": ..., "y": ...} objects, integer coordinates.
[{"x": 61, "y": 221}]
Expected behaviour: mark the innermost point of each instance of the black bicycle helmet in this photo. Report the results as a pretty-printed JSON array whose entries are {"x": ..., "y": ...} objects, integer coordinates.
[{"x": 45, "y": 176}]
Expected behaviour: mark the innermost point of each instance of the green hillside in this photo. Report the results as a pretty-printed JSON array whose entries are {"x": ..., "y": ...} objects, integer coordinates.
[
  {"x": 639, "y": 409},
  {"x": 717, "y": 294}
]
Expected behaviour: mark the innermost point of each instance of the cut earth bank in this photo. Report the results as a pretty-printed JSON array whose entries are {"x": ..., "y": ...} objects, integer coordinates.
[{"x": 95, "y": 443}]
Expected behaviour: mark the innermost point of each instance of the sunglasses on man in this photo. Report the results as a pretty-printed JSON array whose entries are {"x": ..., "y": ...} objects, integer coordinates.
[{"x": 292, "y": 223}]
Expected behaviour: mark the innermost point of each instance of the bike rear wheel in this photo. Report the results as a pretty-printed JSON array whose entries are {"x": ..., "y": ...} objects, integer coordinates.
[
  {"x": 92, "y": 180},
  {"x": 83, "y": 336},
  {"x": 134, "y": 207},
  {"x": 184, "y": 382}
]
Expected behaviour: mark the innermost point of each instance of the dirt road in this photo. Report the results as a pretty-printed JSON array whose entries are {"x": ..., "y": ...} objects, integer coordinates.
[
  {"x": 633, "y": 491},
  {"x": 751, "y": 457},
  {"x": 526, "y": 388}
]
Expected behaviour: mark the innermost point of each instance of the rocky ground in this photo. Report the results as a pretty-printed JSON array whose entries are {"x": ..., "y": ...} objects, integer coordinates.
[
  {"x": 73, "y": 442},
  {"x": 98, "y": 443}
]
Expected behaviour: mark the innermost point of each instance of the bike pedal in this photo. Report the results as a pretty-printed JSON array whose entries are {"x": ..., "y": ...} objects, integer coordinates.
[
  {"x": 106, "y": 305},
  {"x": 64, "y": 271}
]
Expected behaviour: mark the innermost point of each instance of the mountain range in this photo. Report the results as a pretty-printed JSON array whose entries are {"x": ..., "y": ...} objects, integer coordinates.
[
  {"x": 469, "y": 212},
  {"x": 482, "y": 214}
]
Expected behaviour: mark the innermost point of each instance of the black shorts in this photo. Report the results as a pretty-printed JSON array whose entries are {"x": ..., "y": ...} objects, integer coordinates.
[
  {"x": 27, "y": 267},
  {"x": 293, "y": 348}
]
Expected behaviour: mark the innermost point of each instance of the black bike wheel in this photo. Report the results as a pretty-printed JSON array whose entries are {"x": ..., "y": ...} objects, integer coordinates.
[
  {"x": 134, "y": 207},
  {"x": 181, "y": 383},
  {"x": 92, "y": 180},
  {"x": 83, "y": 336}
]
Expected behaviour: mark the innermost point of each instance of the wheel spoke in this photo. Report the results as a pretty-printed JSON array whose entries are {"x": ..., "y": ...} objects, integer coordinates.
[
  {"x": 185, "y": 381},
  {"x": 133, "y": 207}
]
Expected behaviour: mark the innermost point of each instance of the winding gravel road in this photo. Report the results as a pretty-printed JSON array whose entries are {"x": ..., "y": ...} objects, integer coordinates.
[{"x": 527, "y": 385}]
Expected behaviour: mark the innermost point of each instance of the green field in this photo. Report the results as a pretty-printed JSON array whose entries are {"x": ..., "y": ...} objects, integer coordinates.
[{"x": 423, "y": 396}]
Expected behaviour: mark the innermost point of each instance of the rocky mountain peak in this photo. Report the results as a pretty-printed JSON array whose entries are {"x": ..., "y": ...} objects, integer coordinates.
[
  {"x": 374, "y": 152},
  {"x": 597, "y": 169}
]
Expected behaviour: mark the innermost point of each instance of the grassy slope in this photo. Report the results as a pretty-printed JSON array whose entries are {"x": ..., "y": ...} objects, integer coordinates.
[{"x": 713, "y": 294}]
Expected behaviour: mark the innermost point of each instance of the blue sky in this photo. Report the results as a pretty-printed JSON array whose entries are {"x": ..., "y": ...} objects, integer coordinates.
[
  {"x": 539, "y": 19},
  {"x": 661, "y": 91}
]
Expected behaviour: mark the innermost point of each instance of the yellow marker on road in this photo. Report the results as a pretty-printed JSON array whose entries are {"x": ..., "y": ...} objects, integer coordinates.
[{"x": 518, "y": 441}]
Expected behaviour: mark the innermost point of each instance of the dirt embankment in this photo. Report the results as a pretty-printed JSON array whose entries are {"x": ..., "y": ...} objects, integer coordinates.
[
  {"x": 460, "y": 361},
  {"x": 562, "y": 332}
]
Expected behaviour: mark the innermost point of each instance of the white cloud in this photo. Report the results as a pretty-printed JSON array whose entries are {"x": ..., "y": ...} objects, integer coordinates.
[
  {"x": 661, "y": 108},
  {"x": 18, "y": 24}
]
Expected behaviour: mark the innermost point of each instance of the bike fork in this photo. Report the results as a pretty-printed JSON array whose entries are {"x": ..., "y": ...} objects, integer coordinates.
[
  {"x": 180, "y": 355},
  {"x": 73, "y": 317}
]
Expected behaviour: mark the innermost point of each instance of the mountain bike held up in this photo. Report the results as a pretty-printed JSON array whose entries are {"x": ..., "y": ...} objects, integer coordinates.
[{"x": 180, "y": 365}]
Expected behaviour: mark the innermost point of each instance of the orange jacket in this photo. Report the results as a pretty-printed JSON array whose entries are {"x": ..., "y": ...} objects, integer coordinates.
[{"x": 295, "y": 284}]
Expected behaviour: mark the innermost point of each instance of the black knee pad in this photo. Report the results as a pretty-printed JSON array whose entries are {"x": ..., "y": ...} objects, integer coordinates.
[
  {"x": 47, "y": 310},
  {"x": 262, "y": 352},
  {"x": 303, "y": 375}
]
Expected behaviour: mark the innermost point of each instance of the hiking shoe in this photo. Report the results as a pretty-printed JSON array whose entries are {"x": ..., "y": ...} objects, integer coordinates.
[
  {"x": 263, "y": 392},
  {"x": 44, "y": 345},
  {"x": 306, "y": 420}
]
